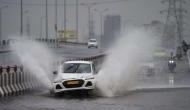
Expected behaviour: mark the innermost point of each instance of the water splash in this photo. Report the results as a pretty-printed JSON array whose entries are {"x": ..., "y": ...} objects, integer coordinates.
[
  {"x": 35, "y": 57},
  {"x": 123, "y": 61}
]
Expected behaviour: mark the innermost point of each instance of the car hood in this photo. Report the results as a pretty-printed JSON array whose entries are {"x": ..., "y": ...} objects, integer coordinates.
[
  {"x": 92, "y": 43},
  {"x": 70, "y": 76}
]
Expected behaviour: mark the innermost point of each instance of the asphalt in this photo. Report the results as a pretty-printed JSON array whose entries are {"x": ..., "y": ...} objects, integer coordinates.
[{"x": 176, "y": 99}]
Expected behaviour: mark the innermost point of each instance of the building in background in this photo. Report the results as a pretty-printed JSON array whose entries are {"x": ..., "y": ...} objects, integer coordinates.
[{"x": 112, "y": 27}]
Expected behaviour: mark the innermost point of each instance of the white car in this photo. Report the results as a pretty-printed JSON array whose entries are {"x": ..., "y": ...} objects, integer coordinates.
[
  {"x": 74, "y": 75},
  {"x": 92, "y": 43}
]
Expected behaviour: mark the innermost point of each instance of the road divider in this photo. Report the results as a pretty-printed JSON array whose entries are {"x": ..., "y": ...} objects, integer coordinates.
[{"x": 15, "y": 81}]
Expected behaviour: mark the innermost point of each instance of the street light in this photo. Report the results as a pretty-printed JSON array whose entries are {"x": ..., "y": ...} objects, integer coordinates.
[
  {"x": 101, "y": 21},
  {"x": 65, "y": 19},
  {"x": 77, "y": 11},
  {"x": 56, "y": 19},
  {"x": 46, "y": 2},
  {"x": 21, "y": 18},
  {"x": 1, "y": 8}
]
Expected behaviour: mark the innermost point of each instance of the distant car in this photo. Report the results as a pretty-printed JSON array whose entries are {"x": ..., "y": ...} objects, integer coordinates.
[
  {"x": 92, "y": 43},
  {"x": 74, "y": 75}
]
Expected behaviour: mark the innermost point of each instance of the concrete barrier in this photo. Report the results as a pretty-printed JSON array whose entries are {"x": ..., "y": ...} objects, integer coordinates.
[
  {"x": 14, "y": 81},
  {"x": 1, "y": 81},
  {"x": 6, "y": 82},
  {"x": 25, "y": 80},
  {"x": 29, "y": 81},
  {"x": 10, "y": 80},
  {"x": 21, "y": 78},
  {"x": 18, "y": 80}
]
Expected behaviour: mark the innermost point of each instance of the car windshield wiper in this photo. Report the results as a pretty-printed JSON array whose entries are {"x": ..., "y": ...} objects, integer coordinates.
[
  {"x": 70, "y": 68},
  {"x": 76, "y": 68}
]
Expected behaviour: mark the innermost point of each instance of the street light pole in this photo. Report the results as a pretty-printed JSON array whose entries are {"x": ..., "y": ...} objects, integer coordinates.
[
  {"x": 89, "y": 20},
  {"x": 1, "y": 8},
  {"x": 65, "y": 19},
  {"x": 21, "y": 18},
  {"x": 46, "y": 19},
  {"x": 77, "y": 20},
  {"x": 56, "y": 19}
]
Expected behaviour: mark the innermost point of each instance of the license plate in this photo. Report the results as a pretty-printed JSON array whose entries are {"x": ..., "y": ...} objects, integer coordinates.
[{"x": 72, "y": 82}]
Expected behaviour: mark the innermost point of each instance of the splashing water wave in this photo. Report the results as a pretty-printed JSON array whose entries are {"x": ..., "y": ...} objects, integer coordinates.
[
  {"x": 35, "y": 57},
  {"x": 123, "y": 62}
]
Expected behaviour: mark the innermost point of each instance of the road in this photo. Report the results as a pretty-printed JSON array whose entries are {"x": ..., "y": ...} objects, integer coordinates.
[{"x": 152, "y": 100}]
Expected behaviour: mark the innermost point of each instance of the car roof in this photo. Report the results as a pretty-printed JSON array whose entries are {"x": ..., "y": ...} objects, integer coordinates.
[
  {"x": 79, "y": 61},
  {"x": 92, "y": 39}
]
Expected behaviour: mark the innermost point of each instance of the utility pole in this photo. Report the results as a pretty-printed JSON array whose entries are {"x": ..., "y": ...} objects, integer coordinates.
[
  {"x": 1, "y": 8},
  {"x": 21, "y": 18},
  {"x": 175, "y": 12},
  {"x": 65, "y": 19},
  {"x": 46, "y": 19},
  {"x": 77, "y": 20},
  {"x": 56, "y": 19}
]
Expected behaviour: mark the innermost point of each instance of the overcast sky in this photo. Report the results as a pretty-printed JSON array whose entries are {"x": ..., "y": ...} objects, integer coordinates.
[{"x": 135, "y": 12}]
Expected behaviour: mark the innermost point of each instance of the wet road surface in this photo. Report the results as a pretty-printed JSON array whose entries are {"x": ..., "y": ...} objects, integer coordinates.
[{"x": 175, "y": 99}]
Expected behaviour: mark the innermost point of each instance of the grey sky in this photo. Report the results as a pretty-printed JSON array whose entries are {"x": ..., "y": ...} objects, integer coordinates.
[{"x": 136, "y": 12}]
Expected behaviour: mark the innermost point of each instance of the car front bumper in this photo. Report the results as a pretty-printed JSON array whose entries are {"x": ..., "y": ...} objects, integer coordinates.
[
  {"x": 63, "y": 86},
  {"x": 92, "y": 45}
]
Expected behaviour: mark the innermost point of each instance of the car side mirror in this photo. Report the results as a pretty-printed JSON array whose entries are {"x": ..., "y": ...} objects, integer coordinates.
[{"x": 55, "y": 73}]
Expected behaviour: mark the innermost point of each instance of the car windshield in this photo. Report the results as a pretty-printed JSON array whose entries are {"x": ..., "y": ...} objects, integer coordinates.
[
  {"x": 92, "y": 40},
  {"x": 77, "y": 68}
]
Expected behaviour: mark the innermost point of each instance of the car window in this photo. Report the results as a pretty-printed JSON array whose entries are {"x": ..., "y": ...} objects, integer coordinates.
[
  {"x": 77, "y": 68},
  {"x": 92, "y": 40}
]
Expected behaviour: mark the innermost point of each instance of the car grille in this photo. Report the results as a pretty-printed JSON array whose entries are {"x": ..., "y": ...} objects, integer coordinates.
[{"x": 66, "y": 85}]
